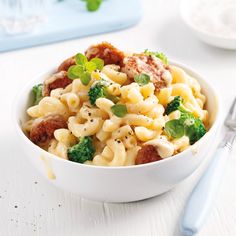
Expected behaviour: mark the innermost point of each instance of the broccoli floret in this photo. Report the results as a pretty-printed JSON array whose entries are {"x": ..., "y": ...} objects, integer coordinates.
[
  {"x": 187, "y": 125},
  {"x": 175, "y": 104},
  {"x": 82, "y": 151},
  {"x": 194, "y": 129},
  {"x": 38, "y": 95},
  {"x": 99, "y": 90},
  {"x": 95, "y": 92}
]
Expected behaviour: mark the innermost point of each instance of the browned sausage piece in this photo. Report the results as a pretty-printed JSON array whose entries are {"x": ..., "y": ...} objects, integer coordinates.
[
  {"x": 43, "y": 129},
  {"x": 58, "y": 80},
  {"x": 65, "y": 65},
  {"x": 146, "y": 154},
  {"x": 106, "y": 52},
  {"x": 150, "y": 65}
]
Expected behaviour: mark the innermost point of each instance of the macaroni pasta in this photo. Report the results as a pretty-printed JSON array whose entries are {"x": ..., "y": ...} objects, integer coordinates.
[{"x": 118, "y": 139}]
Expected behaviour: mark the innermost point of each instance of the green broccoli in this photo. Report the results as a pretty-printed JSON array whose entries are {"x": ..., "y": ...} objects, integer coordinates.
[
  {"x": 37, "y": 91},
  {"x": 187, "y": 124},
  {"x": 82, "y": 151},
  {"x": 100, "y": 90},
  {"x": 95, "y": 92},
  {"x": 175, "y": 104},
  {"x": 193, "y": 128}
]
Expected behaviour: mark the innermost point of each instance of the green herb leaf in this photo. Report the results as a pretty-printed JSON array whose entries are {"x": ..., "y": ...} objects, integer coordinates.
[
  {"x": 80, "y": 59},
  {"x": 99, "y": 63},
  {"x": 163, "y": 57},
  {"x": 142, "y": 79},
  {"x": 160, "y": 55},
  {"x": 38, "y": 95},
  {"x": 85, "y": 78},
  {"x": 83, "y": 68},
  {"x": 119, "y": 110},
  {"x": 75, "y": 72},
  {"x": 93, "y": 5},
  {"x": 90, "y": 66},
  {"x": 174, "y": 128}
]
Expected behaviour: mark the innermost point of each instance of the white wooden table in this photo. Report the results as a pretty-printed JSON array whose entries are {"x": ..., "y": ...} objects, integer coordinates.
[{"x": 29, "y": 205}]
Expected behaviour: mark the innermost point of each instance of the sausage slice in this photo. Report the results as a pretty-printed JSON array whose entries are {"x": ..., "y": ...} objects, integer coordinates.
[
  {"x": 106, "y": 52},
  {"x": 58, "y": 80},
  {"x": 150, "y": 65},
  {"x": 65, "y": 65},
  {"x": 43, "y": 129},
  {"x": 146, "y": 154}
]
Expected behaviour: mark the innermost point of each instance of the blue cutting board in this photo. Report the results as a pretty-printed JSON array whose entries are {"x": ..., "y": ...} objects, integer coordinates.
[{"x": 68, "y": 20}]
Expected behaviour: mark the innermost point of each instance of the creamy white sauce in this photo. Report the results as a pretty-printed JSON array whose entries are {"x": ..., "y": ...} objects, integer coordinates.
[
  {"x": 194, "y": 150},
  {"x": 167, "y": 77},
  {"x": 164, "y": 148},
  {"x": 217, "y": 17},
  {"x": 48, "y": 168}
]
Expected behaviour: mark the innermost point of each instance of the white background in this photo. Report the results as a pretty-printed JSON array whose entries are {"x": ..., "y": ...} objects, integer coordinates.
[{"x": 29, "y": 205}]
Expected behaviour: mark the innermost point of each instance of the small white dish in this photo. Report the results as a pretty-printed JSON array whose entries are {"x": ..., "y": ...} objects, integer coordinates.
[
  {"x": 214, "y": 39},
  {"x": 117, "y": 184}
]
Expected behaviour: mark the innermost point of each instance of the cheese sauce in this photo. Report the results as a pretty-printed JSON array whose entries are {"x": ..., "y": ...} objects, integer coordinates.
[{"x": 48, "y": 168}]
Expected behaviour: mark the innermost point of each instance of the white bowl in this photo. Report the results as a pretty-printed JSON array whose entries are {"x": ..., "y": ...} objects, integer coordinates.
[
  {"x": 186, "y": 7},
  {"x": 117, "y": 184}
]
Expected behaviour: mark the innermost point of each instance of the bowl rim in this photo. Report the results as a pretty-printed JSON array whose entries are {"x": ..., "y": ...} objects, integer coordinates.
[
  {"x": 214, "y": 125},
  {"x": 191, "y": 25}
]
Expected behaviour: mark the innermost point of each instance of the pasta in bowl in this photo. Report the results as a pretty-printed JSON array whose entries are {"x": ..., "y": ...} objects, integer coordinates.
[{"x": 114, "y": 112}]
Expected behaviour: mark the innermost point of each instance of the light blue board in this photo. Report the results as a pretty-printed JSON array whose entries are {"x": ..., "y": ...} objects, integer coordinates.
[{"x": 68, "y": 20}]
